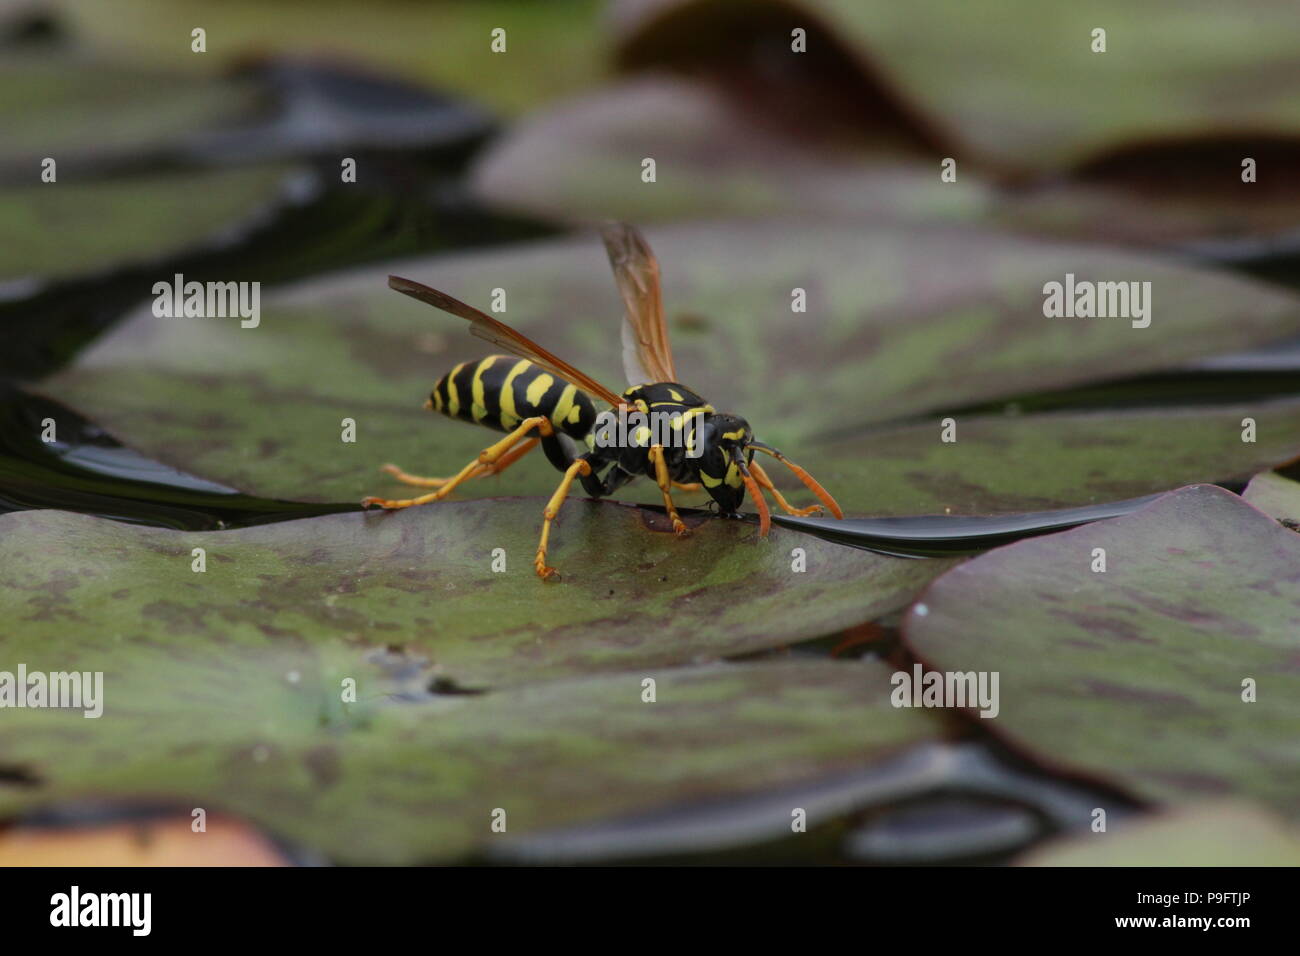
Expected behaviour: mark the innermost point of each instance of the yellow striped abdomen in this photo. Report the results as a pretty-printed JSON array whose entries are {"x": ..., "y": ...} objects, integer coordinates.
[{"x": 500, "y": 391}]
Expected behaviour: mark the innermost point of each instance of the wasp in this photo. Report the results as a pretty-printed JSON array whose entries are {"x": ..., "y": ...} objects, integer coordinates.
[{"x": 535, "y": 398}]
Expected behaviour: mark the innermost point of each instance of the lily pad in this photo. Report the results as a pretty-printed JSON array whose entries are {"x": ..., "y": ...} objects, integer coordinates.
[
  {"x": 1016, "y": 463},
  {"x": 1021, "y": 86},
  {"x": 899, "y": 322},
  {"x": 85, "y": 112},
  {"x": 54, "y": 230},
  {"x": 424, "y": 580},
  {"x": 551, "y": 48},
  {"x": 581, "y": 160},
  {"x": 1210, "y": 834},
  {"x": 1276, "y": 496},
  {"x": 231, "y": 729},
  {"x": 1170, "y": 674}
]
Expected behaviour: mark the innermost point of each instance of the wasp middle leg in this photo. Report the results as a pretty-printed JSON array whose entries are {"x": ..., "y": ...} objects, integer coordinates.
[{"x": 580, "y": 466}]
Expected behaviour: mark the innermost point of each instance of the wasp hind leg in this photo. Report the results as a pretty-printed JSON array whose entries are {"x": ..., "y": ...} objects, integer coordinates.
[
  {"x": 500, "y": 465},
  {"x": 666, "y": 486},
  {"x": 494, "y": 458},
  {"x": 580, "y": 466}
]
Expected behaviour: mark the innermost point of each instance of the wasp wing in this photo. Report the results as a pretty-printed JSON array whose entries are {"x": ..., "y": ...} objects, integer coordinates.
[
  {"x": 502, "y": 335},
  {"x": 647, "y": 356}
]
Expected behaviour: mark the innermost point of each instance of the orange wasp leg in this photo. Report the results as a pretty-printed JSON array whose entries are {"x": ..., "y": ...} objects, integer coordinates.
[
  {"x": 760, "y": 503},
  {"x": 488, "y": 456},
  {"x": 506, "y": 460},
  {"x": 579, "y": 467},
  {"x": 813, "y": 485},
  {"x": 766, "y": 482},
  {"x": 665, "y": 485}
]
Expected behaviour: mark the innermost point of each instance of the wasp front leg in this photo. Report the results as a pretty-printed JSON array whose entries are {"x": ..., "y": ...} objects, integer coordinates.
[
  {"x": 664, "y": 480},
  {"x": 788, "y": 508}
]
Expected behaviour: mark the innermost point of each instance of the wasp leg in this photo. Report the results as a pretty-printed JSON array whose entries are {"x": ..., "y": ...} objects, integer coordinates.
[
  {"x": 579, "y": 467},
  {"x": 506, "y": 460},
  {"x": 760, "y": 503},
  {"x": 488, "y": 456},
  {"x": 691, "y": 486},
  {"x": 766, "y": 482},
  {"x": 665, "y": 485},
  {"x": 813, "y": 485}
]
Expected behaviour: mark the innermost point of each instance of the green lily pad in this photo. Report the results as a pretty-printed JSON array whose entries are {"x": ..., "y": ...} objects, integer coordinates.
[
  {"x": 551, "y": 48},
  {"x": 1276, "y": 496},
  {"x": 1020, "y": 86},
  {"x": 53, "y": 230},
  {"x": 900, "y": 321},
  {"x": 632, "y": 594},
  {"x": 258, "y": 731},
  {"x": 1139, "y": 675},
  {"x": 1015, "y": 463},
  {"x": 83, "y": 111},
  {"x": 1211, "y": 834}
]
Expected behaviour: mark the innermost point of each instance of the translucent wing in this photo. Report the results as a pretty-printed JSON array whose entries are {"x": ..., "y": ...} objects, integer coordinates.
[
  {"x": 502, "y": 336},
  {"x": 647, "y": 356}
]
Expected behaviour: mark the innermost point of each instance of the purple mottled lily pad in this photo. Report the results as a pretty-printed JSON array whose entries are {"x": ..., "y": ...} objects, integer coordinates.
[{"x": 1172, "y": 672}]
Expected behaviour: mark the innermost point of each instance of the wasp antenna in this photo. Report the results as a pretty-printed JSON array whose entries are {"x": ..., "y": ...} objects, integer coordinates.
[{"x": 812, "y": 483}]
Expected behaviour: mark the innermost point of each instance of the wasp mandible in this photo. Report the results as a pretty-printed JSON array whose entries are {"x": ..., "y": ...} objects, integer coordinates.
[{"x": 537, "y": 398}]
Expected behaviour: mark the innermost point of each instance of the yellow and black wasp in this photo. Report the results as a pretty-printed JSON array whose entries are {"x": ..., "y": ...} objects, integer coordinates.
[{"x": 536, "y": 397}]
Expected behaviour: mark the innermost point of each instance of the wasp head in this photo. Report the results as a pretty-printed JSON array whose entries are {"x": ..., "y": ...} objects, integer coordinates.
[{"x": 726, "y": 458}]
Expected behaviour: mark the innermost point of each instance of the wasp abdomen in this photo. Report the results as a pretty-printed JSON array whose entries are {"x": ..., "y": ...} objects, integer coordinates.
[{"x": 501, "y": 391}]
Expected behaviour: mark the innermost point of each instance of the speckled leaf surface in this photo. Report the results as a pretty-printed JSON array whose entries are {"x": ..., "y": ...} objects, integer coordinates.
[
  {"x": 899, "y": 321},
  {"x": 632, "y": 594},
  {"x": 1040, "y": 462},
  {"x": 1211, "y": 834},
  {"x": 1168, "y": 70},
  {"x": 69, "y": 228},
  {"x": 260, "y": 732},
  {"x": 1135, "y": 675},
  {"x": 581, "y": 160},
  {"x": 1276, "y": 496}
]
